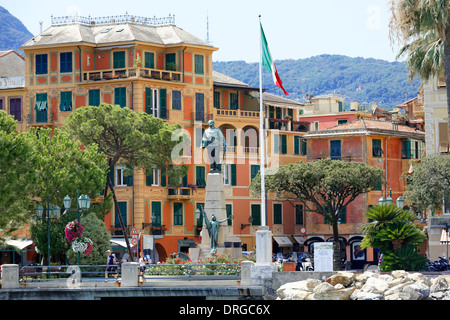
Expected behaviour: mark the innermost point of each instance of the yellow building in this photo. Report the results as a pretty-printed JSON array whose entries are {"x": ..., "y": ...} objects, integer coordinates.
[{"x": 437, "y": 142}]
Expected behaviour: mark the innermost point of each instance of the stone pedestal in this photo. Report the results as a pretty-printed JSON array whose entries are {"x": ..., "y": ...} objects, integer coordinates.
[
  {"x": 262, "y": 270},
  {"x": 130, "y": 274},
  {"x": 215, "y": 204},
  {"x": 263, "y": 246},
  {"x": 10, "y": 276}
]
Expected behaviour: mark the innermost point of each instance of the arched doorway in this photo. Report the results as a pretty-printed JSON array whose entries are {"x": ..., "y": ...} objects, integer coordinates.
[
  {"x": 160, "y": 254},
  {"x": 309, "y": 243}
]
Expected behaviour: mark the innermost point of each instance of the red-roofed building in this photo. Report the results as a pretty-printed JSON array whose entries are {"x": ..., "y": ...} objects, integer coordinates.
[{"x": 383, "y": 144}]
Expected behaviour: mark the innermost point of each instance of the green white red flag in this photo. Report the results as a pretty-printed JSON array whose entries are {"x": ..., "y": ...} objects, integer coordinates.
[{"x": 268, "y": 64}]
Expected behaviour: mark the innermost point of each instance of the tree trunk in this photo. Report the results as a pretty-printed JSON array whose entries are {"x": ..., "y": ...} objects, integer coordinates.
[
  {"x": 336, "y": 246},
  {"x": 122, "y": 224},
  {"x": 447, "y": 72}
]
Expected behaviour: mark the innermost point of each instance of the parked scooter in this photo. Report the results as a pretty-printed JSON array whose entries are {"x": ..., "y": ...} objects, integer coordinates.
[{"x": 439, "y": 265}]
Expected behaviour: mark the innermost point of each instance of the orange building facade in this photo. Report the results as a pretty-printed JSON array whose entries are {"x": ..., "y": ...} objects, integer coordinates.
[
  {"x": 165, "y": 71},
  {"x": 383, "y": 144}
]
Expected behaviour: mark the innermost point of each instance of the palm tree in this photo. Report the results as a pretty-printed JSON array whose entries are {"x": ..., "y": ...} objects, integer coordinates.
[
  {"x": 423, "y": 29},
  {"x": 392, "y": 232}
]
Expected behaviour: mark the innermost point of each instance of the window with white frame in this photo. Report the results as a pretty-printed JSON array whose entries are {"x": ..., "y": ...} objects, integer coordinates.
[
  {"x": 156, "y": 176},
  {"x": 121, "y": 179}
]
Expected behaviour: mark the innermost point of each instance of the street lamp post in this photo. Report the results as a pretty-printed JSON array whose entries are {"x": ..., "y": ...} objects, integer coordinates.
[
  {"x": 83, "y": 204},
  {"x": 50, "y": 213}
]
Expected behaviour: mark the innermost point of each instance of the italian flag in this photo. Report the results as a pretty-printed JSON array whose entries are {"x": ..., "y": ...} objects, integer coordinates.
[{"x": 268, "y": 63}]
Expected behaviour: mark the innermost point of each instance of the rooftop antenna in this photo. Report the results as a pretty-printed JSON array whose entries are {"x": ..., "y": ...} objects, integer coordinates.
[
  {"x": 40, "y": 28},
  {"x": 207, "y": 27}
]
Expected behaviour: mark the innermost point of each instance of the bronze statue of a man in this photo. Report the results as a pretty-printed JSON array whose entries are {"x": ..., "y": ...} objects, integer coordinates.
[
  {"x": 213, "y": 227},
  {"x": 213, "y": 140}
]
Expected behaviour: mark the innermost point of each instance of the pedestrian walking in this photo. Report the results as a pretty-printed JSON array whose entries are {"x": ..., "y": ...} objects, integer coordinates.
[
  {"x": 111, "y": 265},
  {"x": 142, "y": 263}
]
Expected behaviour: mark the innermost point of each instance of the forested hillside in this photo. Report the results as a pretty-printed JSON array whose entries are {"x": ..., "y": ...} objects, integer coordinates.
[
  {"x": 13, "y": 33},
  {"x": 357, "y": 79}
]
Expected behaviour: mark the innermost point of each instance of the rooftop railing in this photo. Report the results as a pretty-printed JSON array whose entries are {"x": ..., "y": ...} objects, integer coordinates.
[{"x": 127, "y": 18}]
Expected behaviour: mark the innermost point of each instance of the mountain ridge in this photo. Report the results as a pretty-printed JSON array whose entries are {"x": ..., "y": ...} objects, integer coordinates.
[
  {"x": 366, "y": 80},
  {"x": 14, "y": 33}
]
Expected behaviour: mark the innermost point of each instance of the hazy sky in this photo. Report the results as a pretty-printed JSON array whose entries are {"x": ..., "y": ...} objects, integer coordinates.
[{"x": 294, "y": 28}]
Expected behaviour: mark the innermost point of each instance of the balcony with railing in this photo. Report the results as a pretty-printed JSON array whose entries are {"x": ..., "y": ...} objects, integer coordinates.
[
  {"x": 126, "y": 73},
  {"x": 40, "y": 119},
  {"x": 201, "y": 117},
  {"x": 288, "y": 124},
  {"x": 246, "y": 114},
  {"x": 180, "y": 193}
]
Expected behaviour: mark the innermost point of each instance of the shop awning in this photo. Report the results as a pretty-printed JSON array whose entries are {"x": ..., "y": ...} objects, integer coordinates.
[
  {"x": 283, "y": 241},
  {"x": 300, "y": 240},
  {"x": 19, "y": 243},
  {"x": 119, "y": 242}
]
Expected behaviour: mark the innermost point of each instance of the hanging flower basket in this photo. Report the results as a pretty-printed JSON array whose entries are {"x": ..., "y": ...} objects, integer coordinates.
[
  {"x": 73, "y": 230},
  {"x": 82, "y": 245}
]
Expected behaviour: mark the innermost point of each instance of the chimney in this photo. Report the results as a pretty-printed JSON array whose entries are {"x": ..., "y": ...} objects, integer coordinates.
[{"x": 394, "y": 125}]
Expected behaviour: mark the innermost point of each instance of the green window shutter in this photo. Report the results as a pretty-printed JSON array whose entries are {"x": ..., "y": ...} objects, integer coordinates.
[
  {"x": 278, "y": 112},
  {"x": 376, "y": 148},
  {"x": 340, "y": 106},
  {"x": 170, "y": 60},
  {"x": 343, "y": 216},
  {"x": 254, "y": 169},
  {"x": 94, "y": 97},
  {"x": 200, "y": 219},
  {"x": 291, "y": 113},
  {"x": 148, "y": 100},
  {"x": 120, "y": 96},
  {"x": 198, "y": 64},
  {"x": 163, "y": 177},
  {"x": 233, "y": 174},
  {"x": 296, "y": 145},
  {"x": 277, "y": 213},
  {"x": 66, "y": 101},
  {"x": 149, "y": 58},
  {"x": 119, "y": 59},
  {"x": 304, "y": 147},
  {"x": 200, "y": 176},
  {"x": 123, "y": 212},
  {"x": 217, "y": 99},
  {"x": 163, "y": 103},
  {"x": 229, "y": 209},
  {"x": 111, "y": 174},
  {"x": 156, "y": 211},
  {"x": 276, "y": 143},
  {"x": 234, "y": 101},
  {"x": 130, "y": 179},
  {"x": 176, "y": 100},
  {"x": 283, "y": 144},
  {"x": 299, "y": 214},
  {"x": 256, "y": 214},
  {"x": 177, "y": 214}
]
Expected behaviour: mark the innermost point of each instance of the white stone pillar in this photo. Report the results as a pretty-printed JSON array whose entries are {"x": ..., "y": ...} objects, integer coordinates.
[
  {"x": 263, "y": 246},
  {"x": 130, "y": 274},
  {"x": 246, "y": 273},
  {"x": 10, "y": 276},
  {"x": 263, "y": 268}
]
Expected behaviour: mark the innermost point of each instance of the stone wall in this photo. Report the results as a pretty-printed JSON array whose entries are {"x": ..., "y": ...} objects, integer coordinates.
[{"x": 397, "y": 285}]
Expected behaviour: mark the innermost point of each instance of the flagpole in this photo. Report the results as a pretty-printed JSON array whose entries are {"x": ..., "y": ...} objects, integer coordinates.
[{"x": 262, "y": 141}]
